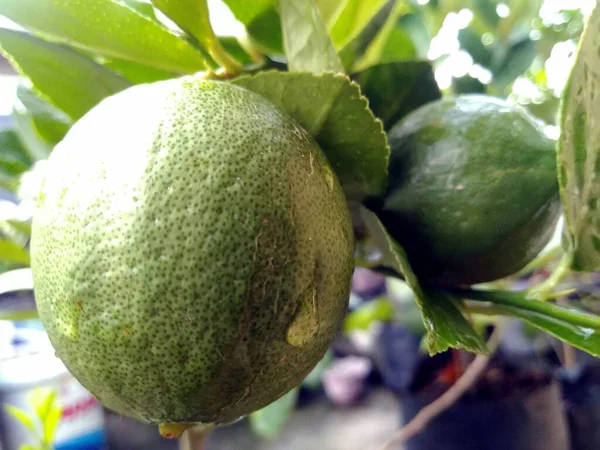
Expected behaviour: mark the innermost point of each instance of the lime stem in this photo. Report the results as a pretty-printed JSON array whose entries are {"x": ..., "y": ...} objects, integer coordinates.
[
  {"x": 213, "y": 46},
  {"x": 543, "y": 290},
  {"x": 520, "y": 300},
  {"x": 540, "y": 261}
]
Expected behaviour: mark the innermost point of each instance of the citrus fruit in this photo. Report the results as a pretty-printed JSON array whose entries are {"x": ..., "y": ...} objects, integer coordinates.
[
  {"x": 191, "y": 252},
  {"x": 473, "y": 192}
]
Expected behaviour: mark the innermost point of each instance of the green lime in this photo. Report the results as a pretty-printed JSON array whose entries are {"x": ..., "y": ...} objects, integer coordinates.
[
  {"x": 473, "y": 192},
  {"x": 191, "y": 251}
]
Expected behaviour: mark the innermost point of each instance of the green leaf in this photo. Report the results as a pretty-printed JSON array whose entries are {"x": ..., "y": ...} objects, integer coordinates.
[
  {"x": 516, "y": 61},
  {"x": 270, "y": 420},
  {"x": 144, "y": 8},
  {"x": 192, "y": 16},
  {"x": 470, "y": 41},
  {"x": 233, "y": 47},
  {"x": 14, "y": 159},
  {"x": 11, "y": 148},
  {"x": 23, "y": 417},
  {"x": 19, "y": 316},
  {"x": 354, "y": 17},
  {"x": 486, "y": 9},
  {"x": 579, "y": 151},
  {"x": 15, "y": 231},
  {"x": 396, "y": 89},
  {"x": 380, "y": 310},
  {"x": 330, "y": 9},
  {"x": 137, "y": 73},
  {"x": 586, "y": 339},
  {"x": 189, "y": 15},
  {"x": 330, "y": 107},
  {"x": 42, "y": 400},
  {"x": 265, "y": 32},
  {"x": 51, "y": 423},
  {"x": 25, "y": 128},
  {"x": 391, "y": 43},
  {"x": 12, "y": 252},
  {"x": 107, "y": 28},
  {"x": 446, "y": 326},
  {"x": 305, "y": 38},
  {"x": 247, "y": 11},
  {"x": 68, "y": 80},
  {"x": 50, "y": 123}
]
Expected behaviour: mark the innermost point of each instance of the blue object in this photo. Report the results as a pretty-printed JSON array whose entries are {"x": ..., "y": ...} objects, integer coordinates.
[{"x": 93, "y": 441}]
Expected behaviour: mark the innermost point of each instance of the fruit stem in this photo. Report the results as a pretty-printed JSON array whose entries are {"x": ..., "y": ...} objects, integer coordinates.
[
  {"x": 213, "y": 46},
  {"x": 540, "y": 261},
  {"x": 543, "y": 290},
  {"x": 521, "y": 300}
]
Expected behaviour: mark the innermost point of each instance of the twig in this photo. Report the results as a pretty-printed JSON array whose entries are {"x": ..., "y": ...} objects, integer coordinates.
[
  {"x": 448, "y": 398},
  {"x": 195, "y": 438}
]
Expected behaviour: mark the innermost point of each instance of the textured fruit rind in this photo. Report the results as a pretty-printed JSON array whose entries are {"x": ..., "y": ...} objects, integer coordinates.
[
  {"x": 473, "y": 192},
  {"x": 184, "y": 227}
]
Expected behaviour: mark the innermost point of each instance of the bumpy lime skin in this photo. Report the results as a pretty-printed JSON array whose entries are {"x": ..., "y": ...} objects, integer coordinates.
[
  {"x": 192, "y": 252},
  {"x": 473, "y": 192}
]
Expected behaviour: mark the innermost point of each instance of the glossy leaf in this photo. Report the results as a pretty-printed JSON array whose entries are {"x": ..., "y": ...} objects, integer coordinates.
[
  {"x": 446, "y": 326},
  {"x": 23, "y": 417},
  {"x": 12, "y": 252},
  {"x": 137, "y": 73},
  {"x": 353, "y": 18},
  {"x": 107, "y": 28},
  {"x": 270, "y": 420},
  {"x": 50, "y": 123},
  {"x": 359, "y": 46},
  {"x": 189, "y": 15},
  {"x": 68, "y": 80},
  {"x": 396, "y": 89},
  {"x": 330, "y": 107},
  {"x": 305, "y": 38},
  {"x": 583, "y": 338},
  {"x": 247, "y": 11},
  {"x": 579, "y": 151},
  {"x": 144, "y": 8}
]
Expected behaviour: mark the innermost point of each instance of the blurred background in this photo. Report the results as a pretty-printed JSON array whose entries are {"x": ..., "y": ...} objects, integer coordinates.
[{"x": 536, "y": 393}]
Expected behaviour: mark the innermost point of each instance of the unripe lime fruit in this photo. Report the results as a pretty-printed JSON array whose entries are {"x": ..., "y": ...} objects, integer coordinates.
[
  {"x": 191, "y": 251},
  {"x": 473, "y": 192}
]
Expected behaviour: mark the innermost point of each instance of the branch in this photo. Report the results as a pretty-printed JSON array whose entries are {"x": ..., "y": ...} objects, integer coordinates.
[{"x": 448, "y": 398}]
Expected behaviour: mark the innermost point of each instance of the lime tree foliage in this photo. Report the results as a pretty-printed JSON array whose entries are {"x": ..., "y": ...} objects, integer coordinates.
[{"x": 455, "y": 186}]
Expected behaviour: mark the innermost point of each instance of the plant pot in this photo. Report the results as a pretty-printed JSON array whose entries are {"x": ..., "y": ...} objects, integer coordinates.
[
  {"x": 529, "y": 421},
  {"x": 581, "y": 401}
]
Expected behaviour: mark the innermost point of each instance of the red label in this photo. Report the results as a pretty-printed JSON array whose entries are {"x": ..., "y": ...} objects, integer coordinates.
[{"x": 77, "y": 408}]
